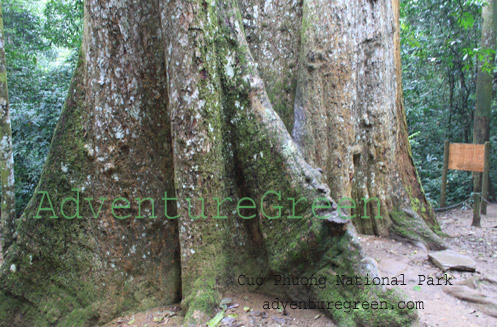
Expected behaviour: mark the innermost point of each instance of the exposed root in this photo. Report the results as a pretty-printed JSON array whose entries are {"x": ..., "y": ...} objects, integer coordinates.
[
  {"x": 407, "y": 225},
  {"x": 201, "y": 302}
]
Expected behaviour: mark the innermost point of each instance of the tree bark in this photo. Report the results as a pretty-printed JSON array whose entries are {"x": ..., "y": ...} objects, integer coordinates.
[
  {"x": 196, "y": 98},
  {"x": 350, "y": 119},
  {"x": 481, "y": 127},
  {"x": 8, "y": 211},
  {"x": 112, "y": 140}
]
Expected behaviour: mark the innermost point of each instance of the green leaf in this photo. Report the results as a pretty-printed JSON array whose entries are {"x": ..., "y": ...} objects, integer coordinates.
[{"x": 216, "y": 320}]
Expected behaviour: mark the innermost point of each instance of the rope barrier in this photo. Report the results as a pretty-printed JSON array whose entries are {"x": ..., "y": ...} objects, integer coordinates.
[{"x": 454, "y": 206}]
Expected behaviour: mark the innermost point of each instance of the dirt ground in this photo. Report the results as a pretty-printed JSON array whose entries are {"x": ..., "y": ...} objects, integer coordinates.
[
  {"x": 394, "y": 258},
  {"x": 441, "y": 309}
]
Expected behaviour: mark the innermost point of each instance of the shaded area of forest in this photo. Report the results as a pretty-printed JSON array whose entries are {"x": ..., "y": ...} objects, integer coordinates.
[
  {"x": 42, "y": 42},
  {"x": 440, "y": 55}
]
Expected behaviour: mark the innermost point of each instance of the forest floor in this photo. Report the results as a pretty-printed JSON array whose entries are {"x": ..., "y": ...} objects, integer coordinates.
[
  {"x": 440, "y": 308},
  {"x": 394, "y": 258}
]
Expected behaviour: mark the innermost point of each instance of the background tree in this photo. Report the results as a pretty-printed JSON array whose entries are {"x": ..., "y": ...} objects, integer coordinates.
[
  {"x": 484, "y": 85},
  {"x": 167, "y": 97}
]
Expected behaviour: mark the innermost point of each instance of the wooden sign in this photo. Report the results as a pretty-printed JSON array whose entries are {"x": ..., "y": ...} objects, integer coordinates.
[{"x": 468, "y": 157}]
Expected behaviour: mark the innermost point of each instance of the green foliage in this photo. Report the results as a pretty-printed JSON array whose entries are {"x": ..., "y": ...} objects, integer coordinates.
[
  {"x": 64, "y": 22},
  {"x": 440, "y": 55},
  {"x": 22, "y": 36},
  {"x": 38, "y": 78}
]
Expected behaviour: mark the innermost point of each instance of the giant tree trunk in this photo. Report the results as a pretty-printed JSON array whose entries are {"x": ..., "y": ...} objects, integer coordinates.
[{"x": 187, "y": 97}]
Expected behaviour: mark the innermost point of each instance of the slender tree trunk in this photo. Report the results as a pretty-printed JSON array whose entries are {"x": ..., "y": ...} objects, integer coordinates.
[
  {"x": 448, "y": 132},
  {"x": 196, "y": 99},
  {"x": 8, "y": 213},
  {"x": 481, "y": 127}
]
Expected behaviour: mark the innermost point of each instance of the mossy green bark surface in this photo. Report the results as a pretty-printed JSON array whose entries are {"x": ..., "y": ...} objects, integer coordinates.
[{"x": 268, "y": 159}]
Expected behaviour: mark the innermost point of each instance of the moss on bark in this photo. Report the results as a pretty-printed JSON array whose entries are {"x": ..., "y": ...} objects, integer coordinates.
[
  {"x": 269, "y": 160},
  {"x": 83, "y": 271}
]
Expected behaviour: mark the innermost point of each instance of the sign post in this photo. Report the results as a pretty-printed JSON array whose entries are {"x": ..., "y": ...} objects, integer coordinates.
[{"x": 485, "y": 179}]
